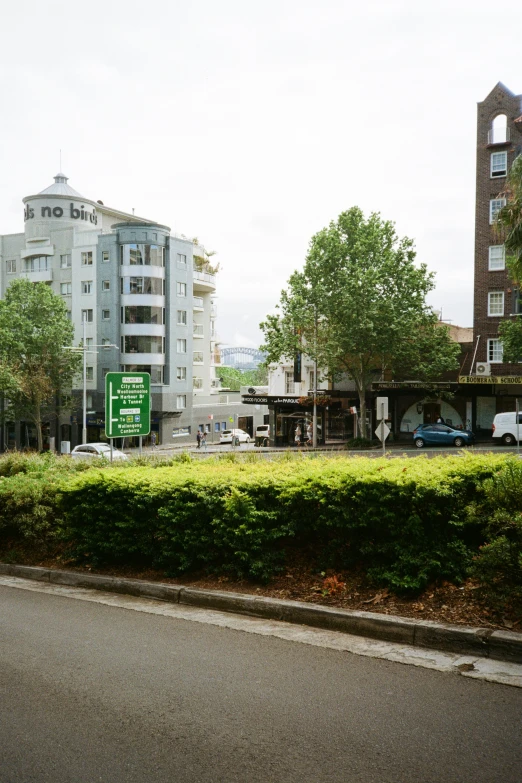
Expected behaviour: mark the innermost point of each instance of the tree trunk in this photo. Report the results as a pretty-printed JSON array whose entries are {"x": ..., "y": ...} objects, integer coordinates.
[{"x": 38, "y": 425}]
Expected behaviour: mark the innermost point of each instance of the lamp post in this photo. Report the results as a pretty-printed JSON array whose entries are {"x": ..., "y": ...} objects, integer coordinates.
[{"x": 314, "y": 419}]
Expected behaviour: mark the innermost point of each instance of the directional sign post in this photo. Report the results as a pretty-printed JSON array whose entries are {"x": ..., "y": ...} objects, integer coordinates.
[{"x": 127, "y": 404}]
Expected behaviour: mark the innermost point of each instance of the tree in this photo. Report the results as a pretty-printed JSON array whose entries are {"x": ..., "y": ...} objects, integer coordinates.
[
  {"x": 509, "y": 230},
  {"x": 359, "y": 307},
  {"x": 233, "y": 378},
  {"x": 34, "y": 333}
]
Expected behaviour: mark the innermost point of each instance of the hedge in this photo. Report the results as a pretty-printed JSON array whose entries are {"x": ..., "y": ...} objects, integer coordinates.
[{"x": 406, "y": 522}]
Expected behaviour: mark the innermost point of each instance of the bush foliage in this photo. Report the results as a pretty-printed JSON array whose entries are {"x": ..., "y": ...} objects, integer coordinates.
[{"x": 406, "y": 522}]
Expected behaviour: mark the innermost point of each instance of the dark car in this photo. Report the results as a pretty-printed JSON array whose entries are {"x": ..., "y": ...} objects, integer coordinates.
[{"x": 442, "y": 435}]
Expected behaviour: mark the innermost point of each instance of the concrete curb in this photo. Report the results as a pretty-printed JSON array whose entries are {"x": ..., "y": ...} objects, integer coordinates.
[{"x": 463, "y": 640}]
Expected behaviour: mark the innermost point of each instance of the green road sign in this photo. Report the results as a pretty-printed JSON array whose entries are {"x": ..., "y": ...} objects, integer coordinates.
[{"x": 127, "y": 404}]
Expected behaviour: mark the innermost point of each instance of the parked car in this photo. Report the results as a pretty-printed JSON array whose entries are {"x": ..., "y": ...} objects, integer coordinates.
[
  {"x": 263, "y": 431},
  {"x": 505, "y": 427},
  {"x": 241, "y": 435},
  {"x": 96, "y": 451},
  {"x": 442, "y": 435}
]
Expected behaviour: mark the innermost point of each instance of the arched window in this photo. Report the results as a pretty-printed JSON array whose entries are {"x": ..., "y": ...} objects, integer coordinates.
[{"x": 499, "y": 132}]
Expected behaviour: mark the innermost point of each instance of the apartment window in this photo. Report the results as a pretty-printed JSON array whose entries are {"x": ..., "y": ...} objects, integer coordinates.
[
  {"x": 181, "y": 401},
  {"x": 106, "y": 343},
  {"x": 143, "y": 314},
  {"x": 106, "y": 285},
  {"x": 494, "y": 351},
  {"x": 497, "y": 258},
  {"x": 181, "y": 373},
  {"x": 498, "y": 164},
  {"x": 65, "y": 261},
  {"x": 495, "y": 205},
  {"x": 182, "y": 317},
  {"x": 105, "y": 256},
  {"x": 144, "y": 344},
  {"x": 496, "y": 303},
  {"x": 181, "y": 346},
  {"x": 182, "y": 259},
  {"x": 66, "y": 289},
  {"x": 87, "y": 258},
  {"x": 89, "y": 341},
  {"x": 516, "y": 307},
  {"x": 105, "y": 370},
  {"x": 89, "y": 373},
  {"x": 142, "y": 285},
  {"x": 86, "y": 286},
  {"x": 37, "y": 264},
  {"x": 11, "y": 267},
  {"x": 182, "y": 289},
  {"x": 106, "y": 315},
  {"x": 69, "y": 315},
  {"x": 142, "y": 255},
  {"x": 87, "y": 316},
  {"x": 289, "y": 382},
  {"x": 198, "y": 357}
]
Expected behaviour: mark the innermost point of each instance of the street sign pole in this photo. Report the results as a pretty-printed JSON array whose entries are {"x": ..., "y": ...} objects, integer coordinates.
[
  {"x": 518, "y": 427},
  {"x": 384, "y": 439}
]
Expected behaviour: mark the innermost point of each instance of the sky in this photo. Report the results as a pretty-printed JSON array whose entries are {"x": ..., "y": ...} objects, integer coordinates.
[{"x": 252, "y": 125}]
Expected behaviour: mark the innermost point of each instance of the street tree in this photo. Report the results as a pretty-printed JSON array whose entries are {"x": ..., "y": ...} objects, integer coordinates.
[
  {"x": 359, "y": 308},
  {"x": 35, "y": 365},
  {"x": 233, "y": 378},
  {"x": 509, "y": 231}
]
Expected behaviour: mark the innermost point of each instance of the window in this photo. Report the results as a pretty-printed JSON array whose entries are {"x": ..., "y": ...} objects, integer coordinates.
[
  {"x": 69, "y": 315},
  {"x": 197, "y": 383},
  {"x": 217, "y": 426},
  {"x": 65, "y": 261},
  {"x": 87, "y": 258},
  {"x": 143, "y": 344},
  {"x": 143, "y": 314},
  {"x": 311, "y": 384},
  {"x": 105, "y": 370},
  {"x": 497, "y": 258},
  {"x": 106, "y": 315},
  {"x": 289, "y": 382},
  {"x": 156, "y": 371},
  {"x": 87, "y": 316},
  {"x": 181, "y": 373},
  {"x": 494, "y": 351},
  {"x": 499, "y": 132},
  {"x": 106, "y": 285},
  {"x": 142, "y": 255},
  {"x": 90, "y": 373},
  {"x": 516, "y": 307},
  {"x": 495, "y": 205},
  {"x": 86, "y": 286},
  {"x": 198, "y": 357},
  {"x": 89, "y": 343},
  {"x": 182, "y": 289},
  {"x": 142, "y": 285},
  {"x": 106, "y": 343},
  {"x": 37, "y": 264},
  {"x": 105, "y": 256},
  {"x": 496, "y": 303},
  {"x": 11, "y": 267},
  {"x": 182, "y": 317},
  {"x": 66, "y": 289},
  {"x": 181, "y": 346},
  {"x": 181, "y": 401},
  {"x": 498, "y": 164},
  {"x": 182, "y": 259}
]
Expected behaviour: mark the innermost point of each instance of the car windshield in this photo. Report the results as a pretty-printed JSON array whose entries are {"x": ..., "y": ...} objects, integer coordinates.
[{"x": 104, "y": 448}]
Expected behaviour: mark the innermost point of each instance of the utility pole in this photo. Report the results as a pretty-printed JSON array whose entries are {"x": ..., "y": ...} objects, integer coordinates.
[
  {"x": 84, "y": 428},
  {"x": 314, "y": 421}
]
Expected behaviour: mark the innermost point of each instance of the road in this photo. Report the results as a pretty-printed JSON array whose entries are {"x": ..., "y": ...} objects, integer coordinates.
[{"x": 90, "y": 692}]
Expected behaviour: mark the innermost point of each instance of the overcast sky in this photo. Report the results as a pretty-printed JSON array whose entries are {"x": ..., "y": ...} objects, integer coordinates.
[{"x": 252, "y": 125}]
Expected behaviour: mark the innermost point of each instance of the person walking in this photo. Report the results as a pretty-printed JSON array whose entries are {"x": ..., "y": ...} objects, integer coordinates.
[
  {"x": 198, "y": 438},
  {"x": 204, "y": 440},
  {"x": 297, "y": 437},
  {"x": 309, "y": 434}
]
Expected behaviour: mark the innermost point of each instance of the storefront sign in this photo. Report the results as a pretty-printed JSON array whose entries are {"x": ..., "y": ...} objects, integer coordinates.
[
  {"x": 412, "y": 385},
  {"x": 507, "y": 380}
]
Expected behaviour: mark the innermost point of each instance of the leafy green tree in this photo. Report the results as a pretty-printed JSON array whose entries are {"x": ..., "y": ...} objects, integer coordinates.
[
  {"x": 233, "y": 378},
  {"x": 359, "y": 307},
  {"x": 509, "y": 230},
  {"x": 34, "y": 363}
]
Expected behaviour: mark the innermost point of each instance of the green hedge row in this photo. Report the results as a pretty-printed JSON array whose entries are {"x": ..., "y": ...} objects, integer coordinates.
[{"x": 406, "y": 522}]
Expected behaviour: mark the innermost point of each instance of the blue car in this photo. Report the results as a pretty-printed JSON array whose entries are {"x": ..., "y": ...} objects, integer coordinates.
[{"x": 442, "y": 435}]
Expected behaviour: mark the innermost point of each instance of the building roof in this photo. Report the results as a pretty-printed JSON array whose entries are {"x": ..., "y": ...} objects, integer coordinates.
[{"x": 61, "y": 188}]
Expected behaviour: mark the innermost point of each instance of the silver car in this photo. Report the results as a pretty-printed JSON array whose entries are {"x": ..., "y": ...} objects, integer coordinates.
[{"x": 96, "y": 450}]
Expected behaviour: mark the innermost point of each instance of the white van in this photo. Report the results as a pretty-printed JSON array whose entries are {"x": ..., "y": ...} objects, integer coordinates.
[
  {"x": 263, "y": 431},
  {"x": 505, "y": 427}
]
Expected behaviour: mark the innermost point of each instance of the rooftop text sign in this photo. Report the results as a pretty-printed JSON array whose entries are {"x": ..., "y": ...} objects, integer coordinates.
[
  {"x": 127, "y": 404},
  {"x": 491, "y": 379}
]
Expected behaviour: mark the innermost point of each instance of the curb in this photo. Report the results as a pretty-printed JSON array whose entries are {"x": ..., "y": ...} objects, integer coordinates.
[{"x": 463, "y": 640}]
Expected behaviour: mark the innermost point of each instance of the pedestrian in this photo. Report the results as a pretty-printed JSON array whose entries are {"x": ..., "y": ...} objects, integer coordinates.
[
  {"x": 204, "y": 440},
  {"x": 153, "y": 439},
  {"x": 198, "y": 438},
  {"x": 297, "y": 437},
  {"x": 309, "y": 434},
  {"x": 440, "y": 420}
]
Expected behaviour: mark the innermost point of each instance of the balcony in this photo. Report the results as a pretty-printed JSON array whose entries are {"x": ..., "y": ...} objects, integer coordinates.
[
  {"x": 499, "y": 135},
  {"x": 198, "y": 331},
  {"x": 204, "y": 281},
  {"x": 41, "y": 276}
]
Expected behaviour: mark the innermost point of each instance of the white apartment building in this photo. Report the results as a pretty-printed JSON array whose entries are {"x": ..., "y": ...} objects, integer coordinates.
[{"x": 148, "y": 297}]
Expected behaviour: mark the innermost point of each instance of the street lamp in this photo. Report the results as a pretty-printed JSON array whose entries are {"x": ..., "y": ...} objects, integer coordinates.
[{"x": 85, "y": 351}]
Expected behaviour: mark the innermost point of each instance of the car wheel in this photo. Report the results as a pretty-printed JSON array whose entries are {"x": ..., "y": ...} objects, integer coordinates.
[
  {"x": 508, "y": 440},
  {"x": 459, "y": 443},
  {"x": 419, "y": 443}
]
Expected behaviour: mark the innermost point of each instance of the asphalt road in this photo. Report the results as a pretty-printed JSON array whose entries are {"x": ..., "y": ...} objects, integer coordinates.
[{"x": 90, "y": 692}]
